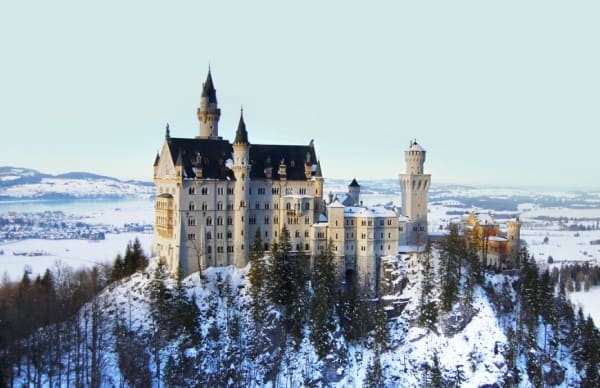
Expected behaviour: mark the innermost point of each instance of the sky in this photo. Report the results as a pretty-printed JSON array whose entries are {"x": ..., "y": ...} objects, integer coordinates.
[{"x": 498, "y": 93}]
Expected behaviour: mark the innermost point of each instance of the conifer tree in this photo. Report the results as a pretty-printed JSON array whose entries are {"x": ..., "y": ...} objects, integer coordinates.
[
  {"x": 283, "y": 269},
  {"x": 450, "y": 264},
  {"x": 322, "y": 305},
  {"x": 258, "y": 279},
  {"x": 382, "y": 336},
  {"x": 427, "y": 306},
  {"x": 374, "y": 377}
]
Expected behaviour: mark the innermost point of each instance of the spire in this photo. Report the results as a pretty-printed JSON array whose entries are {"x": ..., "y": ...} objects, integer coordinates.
[
  {"x": 241, "y": 135},
  {"x": 157, "y": 159},
  {"x": 354, "y": 183},
  {"x": 167, "y": 132},
  {"x": 208, "y": 89}
]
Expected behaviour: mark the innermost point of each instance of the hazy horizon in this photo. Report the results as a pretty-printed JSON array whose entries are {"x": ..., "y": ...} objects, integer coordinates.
[{"x": 497, "y": 93}]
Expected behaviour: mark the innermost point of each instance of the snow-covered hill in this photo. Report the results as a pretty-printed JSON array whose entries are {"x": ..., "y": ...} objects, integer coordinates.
[
  {"x": 125, "y": 320},
  {"x": 26, "y": 184}
]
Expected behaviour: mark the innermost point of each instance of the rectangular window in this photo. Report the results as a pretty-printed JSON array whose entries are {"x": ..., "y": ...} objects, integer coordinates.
[{"x": 191, "y": 236}]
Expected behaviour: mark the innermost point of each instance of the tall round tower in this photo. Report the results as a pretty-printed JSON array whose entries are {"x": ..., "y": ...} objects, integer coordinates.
[
  {"x": 414, "y": 158},
  {"x": 513, "y": 235},
  {"x": 415, "y": 187},
  {"x": 209, "y": 112},
  {"x": 241, "y": 169}
]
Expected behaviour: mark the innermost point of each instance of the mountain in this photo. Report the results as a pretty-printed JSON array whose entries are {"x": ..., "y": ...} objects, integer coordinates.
[{"x": 18, "y": 183}]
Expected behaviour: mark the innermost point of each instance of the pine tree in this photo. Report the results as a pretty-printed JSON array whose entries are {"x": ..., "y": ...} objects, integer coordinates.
[
  {"x": 283, "y": 270},
  {"x": 436, "y": 379},
  {"x": 382, "y": 336},
  {"x": 258, "y": 279},
  {"x": 322, "y": 305},
  {"x": 451, "y": 255},
  {"x": 428, "y": 313},
  {"x": 374, "y": 377}
]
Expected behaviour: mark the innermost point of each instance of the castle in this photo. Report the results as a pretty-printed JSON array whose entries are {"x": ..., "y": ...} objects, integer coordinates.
[
  {"x": 213, "y": 195},
  {"x": 495, "y": 248}
]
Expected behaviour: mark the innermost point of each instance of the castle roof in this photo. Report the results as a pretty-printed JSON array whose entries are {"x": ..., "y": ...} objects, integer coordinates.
[
  {"x": 363, "y": 212},
  {"x": 354, "y": 183},
  {"x": 335, "y": 203},
  {"x": 208, "y": 89},
  {"x": 414, "y": 146},
  {"x": 241, "y": 135},
  {"x": 212, "y": 156}
]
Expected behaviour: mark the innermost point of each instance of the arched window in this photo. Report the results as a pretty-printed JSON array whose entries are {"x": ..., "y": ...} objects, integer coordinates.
[
  {"x": 209, "y": 220},
  {"x": 219, "y": 220},
  {"x": 192, "y": 206},
  {"x": 219, "y": 205},
  {"x": 204, "y": 206}
]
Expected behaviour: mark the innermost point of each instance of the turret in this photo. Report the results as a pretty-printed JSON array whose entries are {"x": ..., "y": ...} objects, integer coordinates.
[
  {"x": 414, "y": 158},
  {"x": 415, "y": 186},
  {"x": 241, "y": 169},
  {"x": 209, "y": 112},
  {"x": 354, "y": 192},
  {"x": 513, "y": 235}
]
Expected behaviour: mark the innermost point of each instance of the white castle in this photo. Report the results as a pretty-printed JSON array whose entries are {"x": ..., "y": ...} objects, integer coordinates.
[{"x": 213, "y": 195}]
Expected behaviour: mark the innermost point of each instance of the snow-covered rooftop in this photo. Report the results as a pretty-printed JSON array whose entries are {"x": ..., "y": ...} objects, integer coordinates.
[
  {"x": 336, "y": 204},
  {"x": 416, "y": 147},
  {"x": 485, "y": 219},
  {"x": 373, "y": 212}
]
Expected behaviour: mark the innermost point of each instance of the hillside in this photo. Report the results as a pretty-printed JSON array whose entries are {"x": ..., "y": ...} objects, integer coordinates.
[
  {"x": 26, "y": 184},
  {"x": 146, "y": 328}
]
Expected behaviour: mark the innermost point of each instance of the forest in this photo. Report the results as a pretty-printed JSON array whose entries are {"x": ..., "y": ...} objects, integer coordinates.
[{"x": 286, "y": 322}]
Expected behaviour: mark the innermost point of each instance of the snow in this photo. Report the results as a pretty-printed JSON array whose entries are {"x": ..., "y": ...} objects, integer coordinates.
[
  {"x": 372, "y": 212},
  {"x": 75, "y": 253},
  {"x": 76, "y": 188},
  {"x": 589, "y": 301},
  {"x": 7, "y": 178},
  {"x": 563, "y": 246}
]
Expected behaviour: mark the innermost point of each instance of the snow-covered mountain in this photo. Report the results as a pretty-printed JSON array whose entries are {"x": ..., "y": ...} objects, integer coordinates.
[
  {"x": 18, "y": 183},
  {"x": 126, "y": 330}
]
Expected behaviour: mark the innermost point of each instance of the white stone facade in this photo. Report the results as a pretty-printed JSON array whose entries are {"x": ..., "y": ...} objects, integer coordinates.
[{"x": 213, "y": 195}]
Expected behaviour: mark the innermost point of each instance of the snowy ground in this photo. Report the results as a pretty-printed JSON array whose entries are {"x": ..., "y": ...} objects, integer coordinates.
[
  {"x": 75, "y": 253},
  {"x": 589, "y": 301}
]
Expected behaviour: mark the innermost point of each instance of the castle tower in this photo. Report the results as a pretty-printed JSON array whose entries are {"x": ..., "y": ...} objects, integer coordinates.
[
  {"x": 335, "y": 218},
  {"x": 209, "y": 112},
  {"x": 415, "y": 187},
  {"x": 513, "y": 235},
  {"x": 354, "y": 191},
  {"x": 241, "y": 170}
]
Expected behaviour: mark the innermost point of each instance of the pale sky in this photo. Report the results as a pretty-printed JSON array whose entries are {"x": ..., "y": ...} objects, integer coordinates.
[{"x": 497, "y": 92}]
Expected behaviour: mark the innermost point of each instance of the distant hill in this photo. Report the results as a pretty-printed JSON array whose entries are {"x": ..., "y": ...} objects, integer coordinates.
[{"x": 18, "y": 183}]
